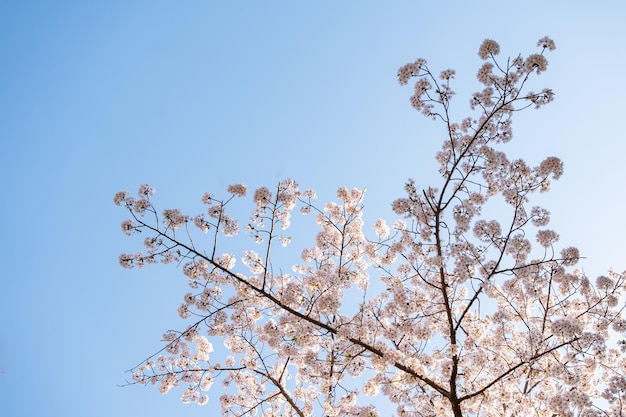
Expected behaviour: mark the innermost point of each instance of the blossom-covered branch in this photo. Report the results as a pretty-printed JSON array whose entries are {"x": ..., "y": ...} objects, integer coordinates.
[{"x": 449, "y": 310}]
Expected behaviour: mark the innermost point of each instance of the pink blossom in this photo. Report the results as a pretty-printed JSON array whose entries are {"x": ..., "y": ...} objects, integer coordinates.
[
  {"x": 120, "y": 197},
  {"x": 466, "y": 305},
  {"x": 546, "y": 43},
  {"x": 262, "y": 196},
  {"x": 488, "y": 48},
  {"x": 240, "y": 190},
  {"x": 536, "y": 62},
  {"x": 547, "y": 237}
]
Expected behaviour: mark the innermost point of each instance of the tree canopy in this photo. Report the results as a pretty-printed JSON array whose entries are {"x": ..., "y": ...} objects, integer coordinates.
[{"x": 463, "y": 306}]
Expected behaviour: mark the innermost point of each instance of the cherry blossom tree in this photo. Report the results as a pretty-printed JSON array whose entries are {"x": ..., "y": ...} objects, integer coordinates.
[{"x": 447, "y": 311}]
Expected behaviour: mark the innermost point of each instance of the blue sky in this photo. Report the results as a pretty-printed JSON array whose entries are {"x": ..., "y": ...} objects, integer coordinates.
[{"x": 191, "y": 96}]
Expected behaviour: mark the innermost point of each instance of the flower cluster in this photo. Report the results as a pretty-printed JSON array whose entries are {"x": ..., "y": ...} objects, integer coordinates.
[
  {"x": 488, "y": 48},
  {"x": 410, "y": 70},
  {"x": 240, "y": 190},
  {"x": 174, "y": 218}
]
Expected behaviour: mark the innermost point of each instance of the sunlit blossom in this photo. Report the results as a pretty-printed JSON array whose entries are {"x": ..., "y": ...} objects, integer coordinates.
[{"x": 466, "y": 306}]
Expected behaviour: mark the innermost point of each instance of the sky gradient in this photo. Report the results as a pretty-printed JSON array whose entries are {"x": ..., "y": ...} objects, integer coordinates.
[{"x": 100, "y": 96}]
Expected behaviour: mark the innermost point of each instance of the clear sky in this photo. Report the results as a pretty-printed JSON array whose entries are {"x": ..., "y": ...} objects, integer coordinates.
[{"x": 190, "y": 96}]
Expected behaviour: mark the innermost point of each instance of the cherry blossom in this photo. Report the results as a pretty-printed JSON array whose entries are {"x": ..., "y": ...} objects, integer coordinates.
[{"x": 466, "y": 305}]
